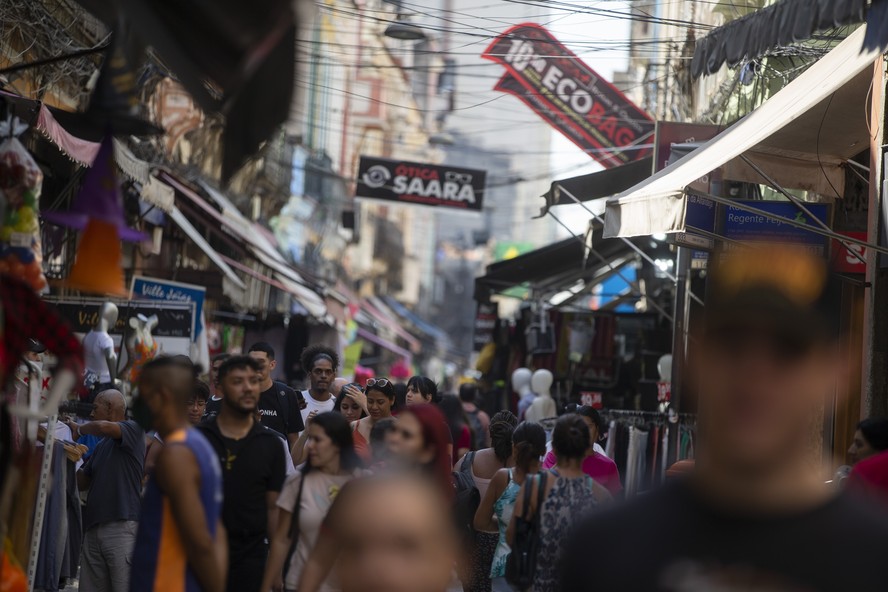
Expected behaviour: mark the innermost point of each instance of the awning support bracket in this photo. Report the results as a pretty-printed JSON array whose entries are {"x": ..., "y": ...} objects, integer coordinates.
[
  {"x": 616, "y": 271},
  {"x": 628, "y": 242},
  {"x": 800, "y": 205}
]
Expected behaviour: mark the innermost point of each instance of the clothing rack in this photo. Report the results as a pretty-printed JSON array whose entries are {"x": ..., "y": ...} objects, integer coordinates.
[{"x": 645, "y": 443}]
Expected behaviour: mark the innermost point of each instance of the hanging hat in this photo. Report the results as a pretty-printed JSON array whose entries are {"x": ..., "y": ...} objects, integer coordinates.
[
  {"x": 97, "y": 267},
  {"x": 99, "y": 198}
]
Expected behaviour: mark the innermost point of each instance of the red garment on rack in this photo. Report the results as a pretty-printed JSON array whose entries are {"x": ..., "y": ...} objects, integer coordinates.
[{"x": 26, "y": 316}]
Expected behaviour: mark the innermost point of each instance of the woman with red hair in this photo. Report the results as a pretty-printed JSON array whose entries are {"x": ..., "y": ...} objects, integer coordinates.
[{"x": 421, "y": 439}]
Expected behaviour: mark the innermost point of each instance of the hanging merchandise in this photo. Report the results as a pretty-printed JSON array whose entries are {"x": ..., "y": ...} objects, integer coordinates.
[
  {"x": 97, "y": 211},
  {"x": 20, "y": 183}
]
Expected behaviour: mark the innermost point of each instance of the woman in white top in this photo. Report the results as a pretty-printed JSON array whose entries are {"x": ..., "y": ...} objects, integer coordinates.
[{"x": 306, "y": 498}]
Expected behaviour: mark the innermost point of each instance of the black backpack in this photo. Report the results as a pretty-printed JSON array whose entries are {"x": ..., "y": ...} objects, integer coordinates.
[
  {"x": 522, "y": 561},
  {"x": 467, "y": 498}
]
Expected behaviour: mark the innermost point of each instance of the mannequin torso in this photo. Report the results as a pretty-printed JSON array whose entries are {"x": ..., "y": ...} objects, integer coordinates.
[{"x": 543, "y": 407}]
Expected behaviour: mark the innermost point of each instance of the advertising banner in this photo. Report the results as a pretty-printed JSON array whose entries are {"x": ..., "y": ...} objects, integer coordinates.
[
  {"x": 421, "y": 184},
  {"x": 145, "y": 288},
  {"x": 571, "y": 96}
]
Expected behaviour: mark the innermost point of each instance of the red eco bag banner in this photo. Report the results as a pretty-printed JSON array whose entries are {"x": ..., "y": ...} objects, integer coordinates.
[{"x": 571, "y": 96}]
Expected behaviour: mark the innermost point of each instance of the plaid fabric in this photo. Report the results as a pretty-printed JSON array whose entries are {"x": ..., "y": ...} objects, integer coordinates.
[{"x": 26, "y": 316}]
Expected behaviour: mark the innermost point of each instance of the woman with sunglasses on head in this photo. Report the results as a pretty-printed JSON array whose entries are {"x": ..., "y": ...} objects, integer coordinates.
[
  {"x": 380, "y": 394},
  {"x": 307, "y": 497}
]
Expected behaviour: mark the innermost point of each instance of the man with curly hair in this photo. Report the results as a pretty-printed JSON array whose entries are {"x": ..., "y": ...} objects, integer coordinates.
[{"x": 320, "y": 363}]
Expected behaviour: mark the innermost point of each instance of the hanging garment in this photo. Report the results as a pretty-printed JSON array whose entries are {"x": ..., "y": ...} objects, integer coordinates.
[
  {"x": 631, "y": 461},
  {"x": 664, "y": 455},
  {"x": 611, "y": 439},
  {"x": 641, "y": 461}
]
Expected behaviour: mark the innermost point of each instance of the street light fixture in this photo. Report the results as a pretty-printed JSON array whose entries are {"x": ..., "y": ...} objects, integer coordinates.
[
  {"x": 405, "y": 31},
  {"x": 441, "y": 139}
]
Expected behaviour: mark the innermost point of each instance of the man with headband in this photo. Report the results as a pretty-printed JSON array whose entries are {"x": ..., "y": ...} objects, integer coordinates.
[{"x": 320, "y": 364}]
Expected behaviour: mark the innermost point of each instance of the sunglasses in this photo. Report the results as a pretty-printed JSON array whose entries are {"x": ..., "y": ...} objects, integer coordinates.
[{"x": 380, "y": 382}]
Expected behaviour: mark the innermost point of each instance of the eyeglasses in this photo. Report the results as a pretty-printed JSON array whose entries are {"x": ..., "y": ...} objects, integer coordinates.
[{"x": 381, "y": 382}]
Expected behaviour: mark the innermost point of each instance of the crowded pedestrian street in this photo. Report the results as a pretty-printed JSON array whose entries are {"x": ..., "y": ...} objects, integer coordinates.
[{"x": 443, "y": 296}]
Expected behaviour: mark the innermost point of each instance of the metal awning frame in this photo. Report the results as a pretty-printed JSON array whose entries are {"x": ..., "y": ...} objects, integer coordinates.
[{"x": 617, "y": 272}]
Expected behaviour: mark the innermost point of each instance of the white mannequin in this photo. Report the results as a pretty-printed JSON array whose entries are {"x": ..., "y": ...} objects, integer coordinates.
[
  {"x": 98, "y": 348},
  {"x": 521, "y": 385},
  {"x": 543, "y": 407}
]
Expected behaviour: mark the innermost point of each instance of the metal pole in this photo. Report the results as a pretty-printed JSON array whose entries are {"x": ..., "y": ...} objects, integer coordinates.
[{"x": 679, "y": 341}]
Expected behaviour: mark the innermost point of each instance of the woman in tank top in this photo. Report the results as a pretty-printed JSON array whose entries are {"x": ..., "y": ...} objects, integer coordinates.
[
  {"x": 482, "y": 465},
  {"x": 495, "y": 511},
  {"x": 568, "y": 495}
]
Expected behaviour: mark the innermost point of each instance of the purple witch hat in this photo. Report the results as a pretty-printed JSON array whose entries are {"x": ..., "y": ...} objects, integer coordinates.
[{"x": 99, "y": 198}]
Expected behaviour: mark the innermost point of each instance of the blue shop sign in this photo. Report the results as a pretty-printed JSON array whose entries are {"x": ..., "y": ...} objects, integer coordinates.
[
  {"x": 154, "y": 289},
  {"x": 746, "y": 226},
  {"x": 699, "y": 213}
]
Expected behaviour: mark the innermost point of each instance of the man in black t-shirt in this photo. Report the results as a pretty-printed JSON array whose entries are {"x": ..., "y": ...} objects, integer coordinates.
[
  {"x": 253, "y": 472},
  {"x": 279, "y": 405},
  {"x": 755, "y": 513}
]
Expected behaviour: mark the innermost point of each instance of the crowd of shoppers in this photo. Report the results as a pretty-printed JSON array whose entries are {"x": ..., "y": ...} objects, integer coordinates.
[{"x": 252, "y": 486}]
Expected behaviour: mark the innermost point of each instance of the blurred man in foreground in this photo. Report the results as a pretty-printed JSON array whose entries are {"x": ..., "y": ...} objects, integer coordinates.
[
  {"x": 755, "y": 514},
  {"x": 181, "y": 544}
]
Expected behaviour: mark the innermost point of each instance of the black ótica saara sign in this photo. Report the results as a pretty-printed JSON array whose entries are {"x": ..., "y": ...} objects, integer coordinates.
[{"x": 421, "y": 184}]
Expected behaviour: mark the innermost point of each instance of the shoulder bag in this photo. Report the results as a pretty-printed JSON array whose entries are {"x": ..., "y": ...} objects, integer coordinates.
[{"x": 522, "y": 561}]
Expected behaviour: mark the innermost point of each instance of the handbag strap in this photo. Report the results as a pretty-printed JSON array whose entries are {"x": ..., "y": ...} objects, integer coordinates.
[
  {"x": 541, "y": 492},
  {"x": 294, "y": 525},
  {"x": 468, "y": 461}
]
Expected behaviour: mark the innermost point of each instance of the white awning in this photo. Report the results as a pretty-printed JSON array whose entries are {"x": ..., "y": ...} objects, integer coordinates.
[
  {"x": 657, "y": 205},
  {"x": 201, "y": 242},
  {"x": 307, "y": 297}
]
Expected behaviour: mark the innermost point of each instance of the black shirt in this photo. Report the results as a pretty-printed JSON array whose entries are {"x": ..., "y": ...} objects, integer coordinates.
[
  {"x": 251, "y": 467},
  {"x": 279, "y": 408},
  {"x": 671, "y": 540}
]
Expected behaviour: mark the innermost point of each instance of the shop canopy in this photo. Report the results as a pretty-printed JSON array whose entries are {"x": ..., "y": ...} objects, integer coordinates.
[
  {"x": 597, "y": 185},
  {"x": 801, "y": 137},
  {"x": 421, "y": 324},
  {"x": 553, "y": 268},
  {"x": 778, "y": 25},
  {"x": 283, "y": 276}
]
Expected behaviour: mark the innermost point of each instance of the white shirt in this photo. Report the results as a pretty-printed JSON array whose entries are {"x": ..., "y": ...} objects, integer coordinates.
[
  {"x": 315, "y": 405},
  {"x": 94, "y": 345}
]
